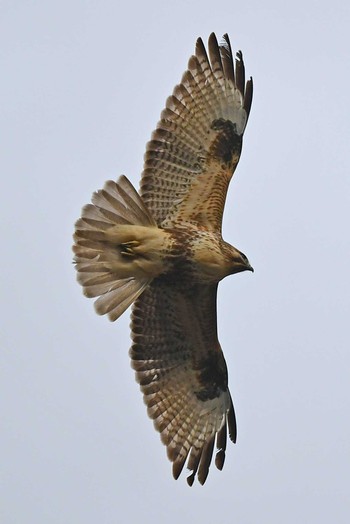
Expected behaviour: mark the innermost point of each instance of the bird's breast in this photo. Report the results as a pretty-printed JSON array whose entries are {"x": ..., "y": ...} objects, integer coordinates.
[{"x": 198, "y": 256}]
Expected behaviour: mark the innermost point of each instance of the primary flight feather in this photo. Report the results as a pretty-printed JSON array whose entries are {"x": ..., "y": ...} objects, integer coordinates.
[{"x": 163, "y": 251}]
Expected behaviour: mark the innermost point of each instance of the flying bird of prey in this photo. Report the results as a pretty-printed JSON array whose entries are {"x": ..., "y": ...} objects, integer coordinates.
[{"x": 163, "y": 251}]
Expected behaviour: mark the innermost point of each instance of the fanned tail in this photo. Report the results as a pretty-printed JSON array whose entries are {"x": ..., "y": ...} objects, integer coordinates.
[{"x": 103, "y": 247}]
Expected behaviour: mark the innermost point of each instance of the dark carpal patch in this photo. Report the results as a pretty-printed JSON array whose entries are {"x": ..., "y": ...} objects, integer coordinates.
[
  {"x": 228, "y": 143},
  {"x": 212, "y": 375}
]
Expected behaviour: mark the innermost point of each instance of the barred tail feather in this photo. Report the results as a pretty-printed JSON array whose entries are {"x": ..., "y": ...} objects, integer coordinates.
[{"x": 101, "y": 269}]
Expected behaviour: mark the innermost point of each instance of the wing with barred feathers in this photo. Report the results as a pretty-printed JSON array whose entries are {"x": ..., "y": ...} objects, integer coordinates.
[
  {"x": 197, "y": 143},
  {"x": 182, "y": 373}
]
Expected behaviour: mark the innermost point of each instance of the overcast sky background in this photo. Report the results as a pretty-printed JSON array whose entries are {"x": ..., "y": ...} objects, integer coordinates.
[{"x": 82, "y": 87}]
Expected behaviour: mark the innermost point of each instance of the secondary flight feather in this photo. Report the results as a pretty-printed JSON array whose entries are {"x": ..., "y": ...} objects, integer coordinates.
[{"x": 162, "y": 250}]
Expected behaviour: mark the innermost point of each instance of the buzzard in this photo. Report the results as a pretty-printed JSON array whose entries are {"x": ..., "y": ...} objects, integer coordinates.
[{"x": 162, "y": 251}]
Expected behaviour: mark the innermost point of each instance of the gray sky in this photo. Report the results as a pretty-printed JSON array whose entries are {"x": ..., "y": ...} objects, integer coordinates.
[{"x": 82, "y": 87}]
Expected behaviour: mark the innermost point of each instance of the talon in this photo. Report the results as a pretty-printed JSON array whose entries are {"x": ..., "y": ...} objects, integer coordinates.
[{"x": 127, "y": 248}]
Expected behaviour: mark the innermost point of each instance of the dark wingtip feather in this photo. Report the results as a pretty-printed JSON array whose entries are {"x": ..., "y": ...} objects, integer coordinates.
[
  {"x": 214, "y": 53},
  {"x": 212, "y": 40},
  {"x": 190, "y": 479},
  {"x": 206, "y": 460},
  {"x": 226, "y": 57},
  {"x": 226, "y": 39},
  {"x": 220, "y": 459},
  {"x": 193, "y": 463},
  {"x": 221, "y": 441},
  {"x": 231, "y": 422},
  {"x": 240, "y": 72},
  {"x": 200, "y": 50},
  {"x": 178, "y": 467},
  {"x": 248, "y": 96}
]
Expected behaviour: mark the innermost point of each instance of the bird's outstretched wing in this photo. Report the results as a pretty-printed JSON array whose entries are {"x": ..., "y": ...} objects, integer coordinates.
[
  {"x": 182, "y": 373},
  {"x": 197, "y": 143},
  {"x": 188, "y": 165}
]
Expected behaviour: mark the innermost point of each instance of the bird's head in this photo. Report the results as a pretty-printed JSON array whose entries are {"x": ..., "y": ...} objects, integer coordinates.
[{"x": 238, "y": 261}]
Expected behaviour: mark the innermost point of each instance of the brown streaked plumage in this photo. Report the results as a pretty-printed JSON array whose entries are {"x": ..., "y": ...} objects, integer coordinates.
[{"x": 163, "y": 251}]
